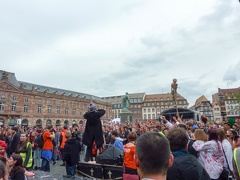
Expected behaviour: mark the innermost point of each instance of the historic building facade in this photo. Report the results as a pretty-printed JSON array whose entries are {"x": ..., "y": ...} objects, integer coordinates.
[
  {"x": 136, "y": 102},
  {"x": 228, "y": 102},
  {"x": 204, "y": 106},
  {"x": 36, "y": 105},
  {"x": 154, "y": 104}
]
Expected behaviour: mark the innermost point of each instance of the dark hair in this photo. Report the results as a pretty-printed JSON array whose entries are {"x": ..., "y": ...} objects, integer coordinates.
[
  {"x": 2, "y": 169},
  {"x": 212, "y": 135},
  {"x": 115, "y": 133},
  {"x": 49, "y": 127},
  {"x": 235, "y": 135},
  {"x": 178, "y": 139},
  {"x": 17, "y": 165},
  {"x": 153, "y": 157}
]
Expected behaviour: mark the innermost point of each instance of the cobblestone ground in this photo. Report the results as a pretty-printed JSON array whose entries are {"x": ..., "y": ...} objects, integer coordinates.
[{"x": 56, "y": 173}]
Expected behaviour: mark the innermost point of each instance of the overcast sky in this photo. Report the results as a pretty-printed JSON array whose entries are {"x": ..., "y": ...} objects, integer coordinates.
[{"x": 107, "y": 48}]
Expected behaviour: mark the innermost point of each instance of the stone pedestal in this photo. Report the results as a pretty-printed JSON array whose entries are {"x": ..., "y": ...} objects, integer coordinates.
[{"x": 126, "y": 115}]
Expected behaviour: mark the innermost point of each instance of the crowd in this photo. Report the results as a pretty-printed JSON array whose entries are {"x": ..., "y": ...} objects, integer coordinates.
[{"x": 161, "y": 149}]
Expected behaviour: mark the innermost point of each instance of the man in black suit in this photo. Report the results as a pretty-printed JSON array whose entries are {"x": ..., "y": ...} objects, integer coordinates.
[
  {"x": 13, "y": 142},
  {"x": 93, "y": 129}
]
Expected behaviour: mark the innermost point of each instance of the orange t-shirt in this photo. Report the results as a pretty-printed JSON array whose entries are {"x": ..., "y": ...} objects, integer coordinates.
[
  {"x": 129, "y": 153},
  {"x": 48, "y": 145}
]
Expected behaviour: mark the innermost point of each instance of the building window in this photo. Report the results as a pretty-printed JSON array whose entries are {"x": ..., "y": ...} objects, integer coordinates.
[
  {"x": 3, "y": 97},
  {"x": 14, "y": 98},
  {"x": 149, "y": 116},
  {"x": 149, "y": 110},
  {"x": 74, "y": 111},
  {"x": 49, "y": 109},
  {"x": 25, "y": 108},
  {"x": 26, "y": 100},
  {"x": 152, "y": 104},
  {"x": 145, "y": 116},
  {"x": 148, "y": 104},
  {"x": 66, "y": 110},
  {"x": 153, "y": 116},
  {"x": 2, "y": 106},
  {"x": 14, "y": 106},
  {"x": 58, "y": 110},
  {"x": 49, "y": 102},
  {"x": 144, "y": 104},
  {"x": 153, "y": 110},
  {"x": 144, "y": 110},
  {"x": 39, "y": 101},
  {"x": 58, "y": 103},
  {"x": 39, "y": 109}
]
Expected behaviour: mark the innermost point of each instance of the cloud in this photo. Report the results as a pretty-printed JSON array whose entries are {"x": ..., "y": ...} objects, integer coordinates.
[{"x": 232, "y": 75}]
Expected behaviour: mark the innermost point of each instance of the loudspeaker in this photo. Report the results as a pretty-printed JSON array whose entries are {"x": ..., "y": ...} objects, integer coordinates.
[{"x": 111, "y": 156}]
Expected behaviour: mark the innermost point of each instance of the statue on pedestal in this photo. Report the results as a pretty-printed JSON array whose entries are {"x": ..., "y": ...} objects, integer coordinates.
[{"x": 125, "y": 102}]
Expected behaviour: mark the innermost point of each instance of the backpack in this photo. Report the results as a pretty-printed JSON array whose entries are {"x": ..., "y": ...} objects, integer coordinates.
[{"x": 39, "y": 141}]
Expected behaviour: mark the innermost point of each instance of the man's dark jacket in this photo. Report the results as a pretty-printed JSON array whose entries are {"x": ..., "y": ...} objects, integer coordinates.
[
  {"x": 71, "y": 151},
  {"x": 185, "y": 167},
  {"x": 13, "y": 144},
  {"x": 93, "y": 129}
]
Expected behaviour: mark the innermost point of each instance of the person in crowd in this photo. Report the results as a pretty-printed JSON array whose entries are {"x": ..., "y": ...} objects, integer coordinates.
[
  {"x": 152, "y": 160},
  {"x": 129, "y": 154},
  {"x": 55, "y": 147},
  {"x": 233, "y": 138},
  {"x": 227, "y": 149},
  {"x": 228, "y": 125},
  {"x": 118, "y": 142},
  {"x": 168, "y": 124},
  {"x": 37, "y": 151},
  {"x": 185, "y": 166},
  {"x": 13, "y": 142},
  {"x": 236, "y": 163},
  {"x": 77, "y": 134},
  {"x": 3, "y": 147},
  {"x": 47, "y": 148},
  {"x": 71, "y": 153},
  {"x": 125, "y": 134},
  {"x": 16, "y": 171},
  {"x": 213, "y": 155},
  {"x": 200, "y": 138},
  {"x": 25, "y": 150},
  {"x": 3, "y": 171},
  {"x": 93, "y": 129},
  {"x": 62, "y": 140}
]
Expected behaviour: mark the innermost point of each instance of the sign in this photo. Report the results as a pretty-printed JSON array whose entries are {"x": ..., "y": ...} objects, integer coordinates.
[{"x": 19, "y": 121}]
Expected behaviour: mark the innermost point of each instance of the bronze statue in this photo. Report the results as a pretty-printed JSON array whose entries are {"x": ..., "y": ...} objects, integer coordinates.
[
  {"x": 174, "y": 87},
  {"x": 125, "y": 102}
]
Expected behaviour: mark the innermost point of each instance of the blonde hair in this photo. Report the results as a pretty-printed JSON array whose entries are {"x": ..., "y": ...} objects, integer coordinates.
[{"x": 199, "y": 134}]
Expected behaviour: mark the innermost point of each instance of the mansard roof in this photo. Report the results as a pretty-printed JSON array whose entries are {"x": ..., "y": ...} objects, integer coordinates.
[
  {"x": 162, "y": 97},
  {"x": 11, "y": 78},
  {"x": 58, "y": 91}
]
